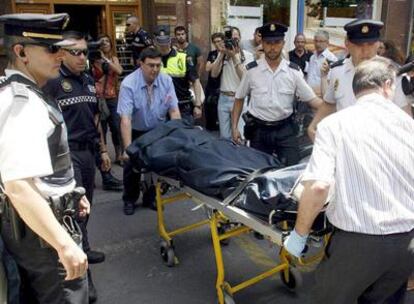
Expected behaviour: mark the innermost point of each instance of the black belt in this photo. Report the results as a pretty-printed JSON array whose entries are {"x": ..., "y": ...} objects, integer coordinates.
[
  {"x": 82, "y": 146},
  {"x": 272, "y": 124}
]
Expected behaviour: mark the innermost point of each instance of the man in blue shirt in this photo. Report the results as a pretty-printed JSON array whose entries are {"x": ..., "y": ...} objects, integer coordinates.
[{"x": 145, "y": 99}]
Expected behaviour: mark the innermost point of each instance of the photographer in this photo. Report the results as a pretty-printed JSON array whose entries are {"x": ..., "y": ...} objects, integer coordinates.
[
  {"x": 105, "y": 71},
  {"x": 230, "y": 67}
]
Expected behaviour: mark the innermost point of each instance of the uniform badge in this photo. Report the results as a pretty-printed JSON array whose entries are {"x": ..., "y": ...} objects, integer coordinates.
[
  {"x": 272, "y": 27},
  {"x": 365, "y": 29},
  {"x": 66, "y": 86},
  {"x": 336, "y": 84},
  {"x": 91, "y": 88}
]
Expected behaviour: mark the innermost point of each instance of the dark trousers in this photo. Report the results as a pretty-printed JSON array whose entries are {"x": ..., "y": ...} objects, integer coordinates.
[
  {"x": 132, "y": 176},
  {"x": 281, "y": 140},
  {"x": 84, "y": 168},
  {"x": 113, "y": 121},
  {"x": 210, "y": 112},
  {"x": 42, "y": 275},
  {"x": 364, "y": 269}
]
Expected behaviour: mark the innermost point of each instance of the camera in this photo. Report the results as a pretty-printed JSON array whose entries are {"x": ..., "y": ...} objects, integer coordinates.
[
  {"x": 407, "y": 84},
  {"x": 229, "y": 42},
  {"x": 94, "y": 52}
]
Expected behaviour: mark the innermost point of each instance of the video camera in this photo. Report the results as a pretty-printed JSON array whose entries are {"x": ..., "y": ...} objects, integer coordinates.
[
  {"x": 94, "y": 53},
  {"x": 407, "y": 83},
  {"x": 229, "y": 42}
]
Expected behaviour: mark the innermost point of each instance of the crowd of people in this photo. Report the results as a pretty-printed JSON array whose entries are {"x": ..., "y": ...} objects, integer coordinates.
[{"x": 251, "y": 96}]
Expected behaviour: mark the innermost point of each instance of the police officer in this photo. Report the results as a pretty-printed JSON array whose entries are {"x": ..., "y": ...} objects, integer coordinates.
[
  {"x": 35, "y": 165},
  {"x": 137, "y": 38},
  {"x": 272, "y": 83},
  {"x": 74, "y": 92},
  {"x": 362, "y": 42},
  {"x": 184, "y": 76}
]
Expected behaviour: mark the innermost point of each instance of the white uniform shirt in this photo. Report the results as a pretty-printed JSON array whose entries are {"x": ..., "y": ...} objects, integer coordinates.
[
  {"x": 368, "y": 151},
  {"x": 229, "y": 78},
  {"x": 340, "y": 91},
  {"x": 24, "y": 130},
  {"x": 314, "y": 67},
  {"x": 272, "y": 93}
]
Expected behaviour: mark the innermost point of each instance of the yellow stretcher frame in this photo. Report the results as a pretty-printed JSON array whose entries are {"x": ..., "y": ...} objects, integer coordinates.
[{"x": 290, "y": 276}]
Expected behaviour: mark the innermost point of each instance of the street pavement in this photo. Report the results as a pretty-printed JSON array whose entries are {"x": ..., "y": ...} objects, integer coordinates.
[{"x": 134, "y": 272}]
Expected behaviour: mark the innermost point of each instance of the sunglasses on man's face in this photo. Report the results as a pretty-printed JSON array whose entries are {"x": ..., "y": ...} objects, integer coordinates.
[
  {"x": 128, "y": 24},
  {"x": 50, "y": 48},
  {"x": 77, "y": 52}
]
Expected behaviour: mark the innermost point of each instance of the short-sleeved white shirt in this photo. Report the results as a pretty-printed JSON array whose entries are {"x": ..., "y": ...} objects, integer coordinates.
[
  {"x": 24, "y": 130},
  {"x": 272, "y": 93},
  {"x": 229, "y": 78},
  {"x": 340, "y": 91},
  {"x": 315, "y": 65}
]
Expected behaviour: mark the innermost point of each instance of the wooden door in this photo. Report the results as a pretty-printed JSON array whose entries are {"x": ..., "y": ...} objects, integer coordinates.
[{"x": 41, "y": 8}]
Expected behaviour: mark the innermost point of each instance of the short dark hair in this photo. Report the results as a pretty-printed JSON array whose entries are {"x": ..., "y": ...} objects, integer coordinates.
[
  {"x": 150, "y": 52},
  {"x": 9, "y": 42},
  {"x": 75, "y": 35},
  {"x": 372, "y": 74},
  {"x": 217, "y": 35},
  {"x": 257, "y": 29},
  {"x": 180, "y": 28}
]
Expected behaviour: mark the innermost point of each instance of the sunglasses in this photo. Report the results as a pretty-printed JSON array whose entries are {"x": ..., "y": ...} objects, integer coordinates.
[
  {"x": 128, "y": 24},
  {"x": 77, "y": 52},
  {"x": 50, "y": 48}
]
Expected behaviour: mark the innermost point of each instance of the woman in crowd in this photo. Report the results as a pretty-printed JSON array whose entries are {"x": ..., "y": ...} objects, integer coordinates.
[{"x": 105, "y": 71}]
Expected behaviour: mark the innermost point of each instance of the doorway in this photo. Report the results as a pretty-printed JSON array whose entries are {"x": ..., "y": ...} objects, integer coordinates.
[{"x": 87, "y": 19}]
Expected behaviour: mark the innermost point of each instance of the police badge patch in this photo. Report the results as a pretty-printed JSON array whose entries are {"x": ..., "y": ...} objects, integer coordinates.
[
  {"x": 66, "y": 86},
  {"x": 91, "y": 88}
]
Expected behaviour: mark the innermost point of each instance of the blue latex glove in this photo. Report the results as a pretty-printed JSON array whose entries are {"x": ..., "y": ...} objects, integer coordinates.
[{"x": 295, "y": 243}]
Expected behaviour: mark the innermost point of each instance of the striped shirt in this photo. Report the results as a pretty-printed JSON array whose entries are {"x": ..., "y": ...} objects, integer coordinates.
[{"x": 367, "y": 150}]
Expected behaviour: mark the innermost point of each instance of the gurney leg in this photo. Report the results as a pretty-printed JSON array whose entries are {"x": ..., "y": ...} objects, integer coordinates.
[{"x": 221, "y": 285}]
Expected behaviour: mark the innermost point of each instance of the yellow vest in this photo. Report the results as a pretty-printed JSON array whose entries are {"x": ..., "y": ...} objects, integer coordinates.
[{"x": 176, "y": 65}]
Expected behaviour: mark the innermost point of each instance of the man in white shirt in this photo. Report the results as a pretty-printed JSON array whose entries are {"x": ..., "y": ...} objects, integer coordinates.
[
  {"x": 371, "y": 251},
  {"x": 322, "y": 54},
  {"x": 230, "y": 66}
]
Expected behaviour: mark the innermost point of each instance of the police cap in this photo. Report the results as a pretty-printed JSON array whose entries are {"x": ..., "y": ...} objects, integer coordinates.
[
  {"x": 44, "y": 28},
  {"x": 273, "y": 31},
  {"x": 363, "y": 30}
]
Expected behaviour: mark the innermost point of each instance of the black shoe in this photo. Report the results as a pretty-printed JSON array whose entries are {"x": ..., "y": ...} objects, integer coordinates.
[
  {"x": 95, "y": 257},
  {"x": 93, "y": 296},
  {"x": 129, "y": 208},
  {"x": 111, "y": 183}
]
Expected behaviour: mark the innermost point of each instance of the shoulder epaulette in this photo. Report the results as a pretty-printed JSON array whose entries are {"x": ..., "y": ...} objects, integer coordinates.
[
  {"x": 294, "y": 66},
  {"x": 251, "y": 65},
  {"x": 20, "y": 91},
  {"x": 337, "y": 63}
]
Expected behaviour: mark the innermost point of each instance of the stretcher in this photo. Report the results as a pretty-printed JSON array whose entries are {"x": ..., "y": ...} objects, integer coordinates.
[{"x": 227, "y": 221}]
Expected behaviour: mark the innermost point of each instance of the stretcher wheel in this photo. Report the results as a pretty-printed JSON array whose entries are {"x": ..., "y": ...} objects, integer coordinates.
[
  {"x": 295, "y": 279},
  {"x": 167, "y": 254}
]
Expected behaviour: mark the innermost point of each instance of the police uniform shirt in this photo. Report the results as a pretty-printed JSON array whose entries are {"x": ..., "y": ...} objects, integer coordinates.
[
  {"x": 340, "y": 91},
  {"x": 76, "y": 97},
  {"x": 24, "y": 130},
  {"x": 140, "y": 41},
  {"x": 181, "y": 84},
  {"x": 272, "y": 93}
]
